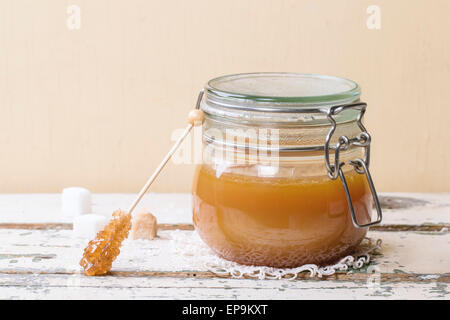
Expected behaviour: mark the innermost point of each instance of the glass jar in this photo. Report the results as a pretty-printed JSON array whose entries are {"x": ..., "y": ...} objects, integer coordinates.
[{"x": 284, "y": 179}]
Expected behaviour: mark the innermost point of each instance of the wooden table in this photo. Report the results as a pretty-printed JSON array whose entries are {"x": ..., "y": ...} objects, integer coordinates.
[{"x": 39, "y": 255}]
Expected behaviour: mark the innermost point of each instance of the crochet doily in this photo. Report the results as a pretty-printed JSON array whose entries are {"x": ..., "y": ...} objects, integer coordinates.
[{"x": 190, "y": 248}]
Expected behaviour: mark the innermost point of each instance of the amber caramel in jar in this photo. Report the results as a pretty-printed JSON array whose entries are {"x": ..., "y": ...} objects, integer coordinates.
[
  {"x": 284, "y": 179},
  {"x": 278, "y": 222}
]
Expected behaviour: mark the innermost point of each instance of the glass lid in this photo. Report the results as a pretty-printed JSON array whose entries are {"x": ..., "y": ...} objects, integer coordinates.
[
  {"x": 283, "y": 87},
  {"x": 279, "y": 98}
]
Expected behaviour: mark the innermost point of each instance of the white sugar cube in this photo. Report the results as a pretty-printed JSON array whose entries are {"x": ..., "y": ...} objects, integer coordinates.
[
  {"x": 87, "y": 225},
  {"x": 76, "y": 201}
]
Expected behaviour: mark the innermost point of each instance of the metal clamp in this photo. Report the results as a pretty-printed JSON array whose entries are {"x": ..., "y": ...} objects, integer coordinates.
[
  {"x": 199, "y": 99},
  {"x": 361, "y": 166}
]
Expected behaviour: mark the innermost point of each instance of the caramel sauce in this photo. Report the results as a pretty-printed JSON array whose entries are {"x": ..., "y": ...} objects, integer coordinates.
[
  {"x": 278, "y": 222},
  {"x": 100, "y": 253}
]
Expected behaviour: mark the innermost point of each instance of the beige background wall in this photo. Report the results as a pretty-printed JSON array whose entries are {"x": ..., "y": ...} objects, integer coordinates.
[{"x": 96, "y": 106}]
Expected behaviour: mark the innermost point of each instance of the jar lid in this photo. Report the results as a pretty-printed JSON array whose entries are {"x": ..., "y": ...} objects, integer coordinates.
[{"x": 290, "y": 98}]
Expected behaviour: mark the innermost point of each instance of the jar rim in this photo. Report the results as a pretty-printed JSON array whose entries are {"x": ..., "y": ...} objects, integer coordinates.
[{"x": 283, "y": 88}]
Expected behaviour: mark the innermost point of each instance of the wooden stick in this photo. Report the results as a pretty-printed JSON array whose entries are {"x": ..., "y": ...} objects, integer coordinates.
[
  {"x": 195, "y": 117},
  {"x": 160, "y": 167}
]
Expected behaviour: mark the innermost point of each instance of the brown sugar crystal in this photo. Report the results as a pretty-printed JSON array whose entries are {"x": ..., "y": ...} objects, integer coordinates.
[
  {"x": 144, "y": 226},
  {"x": 100, "y": 253}
]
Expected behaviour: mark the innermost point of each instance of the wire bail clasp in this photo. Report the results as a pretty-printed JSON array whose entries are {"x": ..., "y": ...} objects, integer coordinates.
[{"x": 361, "y": 166}]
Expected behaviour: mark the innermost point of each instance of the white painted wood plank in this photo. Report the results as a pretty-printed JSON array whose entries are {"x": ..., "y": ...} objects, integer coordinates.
[
  {"x": 414, "y": 252},
  {"x": 176, "y": 207},
  {"x": 57, "y": 251},
  {"x": 46, "y": 208},
  {"x": 434, "y": 210},
  {"x": 79, "y": 287}
]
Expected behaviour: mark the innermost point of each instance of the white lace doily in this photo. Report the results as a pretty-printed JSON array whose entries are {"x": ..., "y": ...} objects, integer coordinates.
[{"x": 191, "y": 249}]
